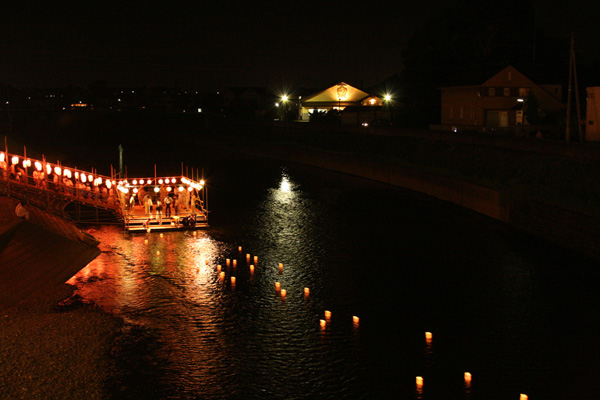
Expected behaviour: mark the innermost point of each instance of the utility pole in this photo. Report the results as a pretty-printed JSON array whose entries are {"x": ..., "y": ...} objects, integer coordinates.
[
  {"x": 120, "y": 160},
  {"x": 573, "y": 77}
]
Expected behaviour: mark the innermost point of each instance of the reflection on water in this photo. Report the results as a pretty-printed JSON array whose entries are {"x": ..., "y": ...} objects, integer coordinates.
[{"x": 402, "y": 263}]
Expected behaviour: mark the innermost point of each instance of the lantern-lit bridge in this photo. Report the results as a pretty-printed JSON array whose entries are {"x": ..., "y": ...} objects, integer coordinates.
[{"x": 88, "y": 197}]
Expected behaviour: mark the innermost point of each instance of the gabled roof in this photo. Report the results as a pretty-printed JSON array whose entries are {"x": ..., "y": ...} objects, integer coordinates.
[{"x": 340, "y": 92}]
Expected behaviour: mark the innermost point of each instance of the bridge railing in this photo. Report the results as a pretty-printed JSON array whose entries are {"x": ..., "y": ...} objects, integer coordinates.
[{"x": 53, "y": 186}]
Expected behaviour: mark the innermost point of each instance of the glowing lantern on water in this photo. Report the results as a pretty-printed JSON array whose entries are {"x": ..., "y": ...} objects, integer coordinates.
[
  {"x": 277, "y": 285},
  {"x": 234, "y": 263},
  {"x": 148, "y": 230},
  {"x": 255, "y": 259},
  {"x": 251, "y": 268},
  {"x": 146, "y": 241},
  {"x": 194, "y": 233},
  {"x": 233, "y": 280},
  {"x": 283, "y": 292},
  {"x": 323, "y": 323},
  {"x": 327, "y": 314},
  {"x": 280, "y": 267},
  {"x": 419, "y": 382},
  {"x": 428, "y": 336},
  {"x": 161, "y": 235},
  {"x": 355, "y": 320},
  {"x": 306, "y": 291},
  {"x": 158, "y": 253},
  {"x": 227, "y": 262},
  {"x": 467, "y": 379},
  {"x": 523, "y": 397},
  {"x": 222, "y": 275},
  {"x": 219, "y": 268}
]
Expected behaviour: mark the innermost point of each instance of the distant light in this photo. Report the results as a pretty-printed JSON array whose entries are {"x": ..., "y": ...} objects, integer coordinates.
[
  {"x": 276, "y": 104},
  {"x": 387, "y": 97},
  {"x": 199, "y": 110},
  {"x": 365, "y": 124},
  {"x": 520, "y": 100},
  {"x": 284, "y": 98}
]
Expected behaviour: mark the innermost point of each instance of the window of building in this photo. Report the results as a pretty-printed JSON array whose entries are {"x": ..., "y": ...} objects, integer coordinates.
[
  {"x": 491, "y": 92},
  {"x": 523, "y": 92},
  {"x": 506, "y": 91},
  {"x": 461, "y": 112}
]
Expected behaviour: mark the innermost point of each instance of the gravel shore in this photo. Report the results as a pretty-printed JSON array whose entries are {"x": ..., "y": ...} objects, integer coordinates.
[{"x": 52, "y": 346}]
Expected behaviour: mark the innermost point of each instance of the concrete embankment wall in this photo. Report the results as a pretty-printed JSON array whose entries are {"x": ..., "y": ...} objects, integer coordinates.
[
  {"x": 574, "y": 230},
  {"x": 39, "y": 254}
]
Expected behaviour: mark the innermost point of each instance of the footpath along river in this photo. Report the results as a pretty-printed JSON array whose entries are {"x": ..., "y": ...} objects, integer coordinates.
[{"x": 518, "y": 313}]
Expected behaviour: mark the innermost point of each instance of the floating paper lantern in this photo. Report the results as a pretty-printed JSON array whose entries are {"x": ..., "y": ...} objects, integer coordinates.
[
  {"x": 306, "y": 291},
  {"x": 355, "y": 320},
  {"x": 327, "y": 314},
  {"x": 233, "y": 280},
  {"x": 251, "y": 268},
  {"x": 255, "y": 259},
  {"x": 227, "y": 262},
  {"x": 277, "y": 285},
  {"x": 323, "y": 323},
  {"x": 222, "y": 276},
  {"x": 419, "y": 381},
  {"x": 219, "y": 268},
  {"x": 467, "y": 379},
  {"x": 283, "y": 292},
  {"x": 523, "y": 397},
  {"x": 234, "y": 263},
  {"x": 146, "y": 241},
  {"x": 428, "y": 336},
  {"x": 158, "y": 253}
]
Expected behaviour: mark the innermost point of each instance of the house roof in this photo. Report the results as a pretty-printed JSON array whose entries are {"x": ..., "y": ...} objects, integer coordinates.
[{"x": 339, "y": 92}]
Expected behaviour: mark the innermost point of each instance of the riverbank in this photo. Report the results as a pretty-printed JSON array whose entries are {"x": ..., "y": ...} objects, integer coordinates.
[
  {"x": 53, "y": 346},
  {"x": 55, "y": 349}
]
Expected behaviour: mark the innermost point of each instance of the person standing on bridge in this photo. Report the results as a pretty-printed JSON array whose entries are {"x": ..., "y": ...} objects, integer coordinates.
[
  {"x": 148, "y": 204},
  {"x": 159, "y": 208},
  {"x": 167, "y": 201}
]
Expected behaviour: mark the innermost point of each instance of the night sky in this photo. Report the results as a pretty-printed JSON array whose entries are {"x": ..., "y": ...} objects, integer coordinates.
[{"x": 226, "y": 43}]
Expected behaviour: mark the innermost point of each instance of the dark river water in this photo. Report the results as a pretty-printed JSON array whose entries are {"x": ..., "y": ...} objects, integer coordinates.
[{"x": 519, "y": 314}]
